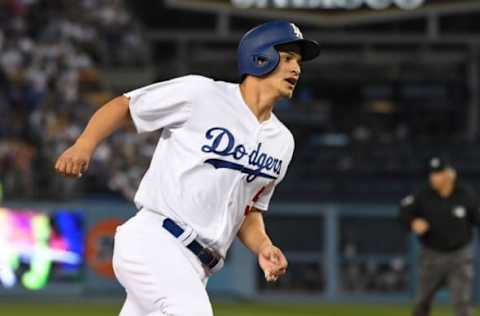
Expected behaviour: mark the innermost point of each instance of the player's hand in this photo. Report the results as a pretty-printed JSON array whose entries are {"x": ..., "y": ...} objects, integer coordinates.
[
  {"x": 74, "y": 161},
  {"x": 420, "y": 226},
  {"x": 273, "y": 262}
]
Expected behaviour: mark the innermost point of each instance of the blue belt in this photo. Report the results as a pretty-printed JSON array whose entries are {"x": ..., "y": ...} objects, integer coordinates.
[{"x": 207, "y": 257}]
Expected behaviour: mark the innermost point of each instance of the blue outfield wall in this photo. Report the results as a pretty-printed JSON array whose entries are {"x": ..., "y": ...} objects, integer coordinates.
[{"x": 336, "y": 252}]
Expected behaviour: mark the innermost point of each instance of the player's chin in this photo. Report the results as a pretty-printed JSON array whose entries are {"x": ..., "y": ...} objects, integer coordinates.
[{"x": 287, "y": 93}]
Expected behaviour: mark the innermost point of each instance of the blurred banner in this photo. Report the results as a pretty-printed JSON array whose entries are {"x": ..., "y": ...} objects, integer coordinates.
[
  {"x": 49, "y": 248},
  {"x": 38, "y": 248},
  {"x": 321, "y": 4},
  {"x": 329, "y": 12},
  {"x": 330, "y": 4}
]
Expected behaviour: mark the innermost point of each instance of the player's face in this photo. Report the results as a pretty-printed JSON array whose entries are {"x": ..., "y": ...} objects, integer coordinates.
[{"x": 286, "y": 75}]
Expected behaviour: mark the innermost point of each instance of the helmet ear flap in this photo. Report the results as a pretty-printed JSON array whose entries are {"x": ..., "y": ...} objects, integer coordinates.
[{"x": 265, "y": 62}]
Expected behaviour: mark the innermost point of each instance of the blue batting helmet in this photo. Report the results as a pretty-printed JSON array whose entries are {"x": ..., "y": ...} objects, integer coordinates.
[{"x": 257, "y": 53}]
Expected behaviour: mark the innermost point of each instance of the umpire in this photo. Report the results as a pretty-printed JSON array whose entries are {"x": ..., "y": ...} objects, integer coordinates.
[{"x": 442, "y": 215}]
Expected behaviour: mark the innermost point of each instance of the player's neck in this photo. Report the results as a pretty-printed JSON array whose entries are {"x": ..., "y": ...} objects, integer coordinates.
[{"x": 259, "y": 100}]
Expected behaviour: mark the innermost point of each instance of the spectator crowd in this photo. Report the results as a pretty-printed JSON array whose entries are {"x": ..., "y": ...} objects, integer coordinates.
[{"x": 51, "y": 58}]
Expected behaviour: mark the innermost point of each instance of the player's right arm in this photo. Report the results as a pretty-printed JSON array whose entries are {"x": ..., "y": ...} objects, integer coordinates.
[
  {"x": 110, "y": 117},
  {"x": 410, "y": 217},
  {"x": 165, "y": 104}
]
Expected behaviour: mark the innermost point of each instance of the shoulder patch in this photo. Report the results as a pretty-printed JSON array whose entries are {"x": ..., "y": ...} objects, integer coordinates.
[{"x": 408, "y": 200}]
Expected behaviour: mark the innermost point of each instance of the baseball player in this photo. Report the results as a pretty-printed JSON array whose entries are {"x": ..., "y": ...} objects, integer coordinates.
[{"x": 220, "y": 156}]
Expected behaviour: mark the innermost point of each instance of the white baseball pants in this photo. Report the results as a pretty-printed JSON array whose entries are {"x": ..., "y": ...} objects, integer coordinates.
[{"x": 160, "y": 275}]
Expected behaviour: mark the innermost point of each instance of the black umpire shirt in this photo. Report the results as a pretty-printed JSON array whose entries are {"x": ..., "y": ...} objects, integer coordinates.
[{"x": 451, "y": 219}]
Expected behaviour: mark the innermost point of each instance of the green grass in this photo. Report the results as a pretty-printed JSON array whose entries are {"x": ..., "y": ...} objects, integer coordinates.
[{"x": 29, "y": 309}]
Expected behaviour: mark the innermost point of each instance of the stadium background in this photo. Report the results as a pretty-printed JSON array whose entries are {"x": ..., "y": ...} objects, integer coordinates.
[{"x": 392, "y": 87}]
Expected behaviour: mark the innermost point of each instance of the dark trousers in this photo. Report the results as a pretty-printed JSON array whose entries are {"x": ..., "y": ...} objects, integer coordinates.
[{"x": 454, "y": 269}]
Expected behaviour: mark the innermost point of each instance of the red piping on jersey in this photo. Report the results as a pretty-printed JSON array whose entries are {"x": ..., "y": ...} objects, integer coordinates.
[{"x": 248, "y": 208}]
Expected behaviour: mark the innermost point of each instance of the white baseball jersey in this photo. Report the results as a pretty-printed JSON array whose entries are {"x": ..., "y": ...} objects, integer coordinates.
[{"x": 214, "y": 159}]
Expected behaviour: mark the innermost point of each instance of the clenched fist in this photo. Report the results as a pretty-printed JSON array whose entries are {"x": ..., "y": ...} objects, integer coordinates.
[
  {"x": 74, "y": 161},
  {"x": 273, "y": 262},
  {"x": 420, "y": 226}
]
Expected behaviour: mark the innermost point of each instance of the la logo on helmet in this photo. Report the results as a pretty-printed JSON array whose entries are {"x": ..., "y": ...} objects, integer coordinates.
[{"x": 296, "y": 30}]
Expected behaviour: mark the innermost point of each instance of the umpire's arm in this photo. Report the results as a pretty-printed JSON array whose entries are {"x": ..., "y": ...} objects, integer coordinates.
[
  {"x": 407, "y": 211},
  {"x": 410, "y": 218}
]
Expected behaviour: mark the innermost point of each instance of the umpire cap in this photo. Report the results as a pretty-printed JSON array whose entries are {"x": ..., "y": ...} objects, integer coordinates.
[{"x": 438, "y": 164}]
